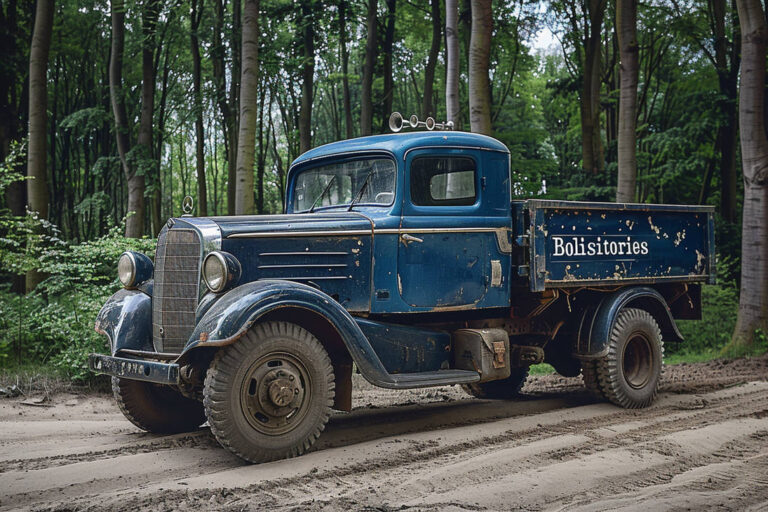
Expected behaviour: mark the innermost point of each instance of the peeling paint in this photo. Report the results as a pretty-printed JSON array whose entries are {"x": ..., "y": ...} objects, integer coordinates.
[
  {"x": 700, "y": 260},
  {"x": 679, "y": 237},
  {"x": 655, "y": 229}
]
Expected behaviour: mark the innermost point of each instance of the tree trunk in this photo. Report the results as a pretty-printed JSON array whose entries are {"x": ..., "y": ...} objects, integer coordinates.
[
  {"x": 202, "y": 187},
  {"x": 307, "y": 76},
  {"x": 452, "y": 62},
  {"x": 234, "y": 102},
  {"x": 366, "y": 98},
  {"x": 226, "y": 107},
  {"x": 727, "y": 74},
  {"x": 249, "y": 108},
  {"x": 37, "y": 154},
  {"x": 592, "y": 146},
  {"x": 345, "y": 68},
  {"x": 626, "y": 19},
  {"x": 149, "y": 17},
  {"x": 753, "y": 299},
  {"x": 387, "y": 48},
  {"x": 479, "y": 60},
  {"x": 428, "y": 105},
  {"x": 134, "y": 224}
]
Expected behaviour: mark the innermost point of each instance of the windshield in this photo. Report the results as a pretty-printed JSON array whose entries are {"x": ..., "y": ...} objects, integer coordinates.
[{"x": 345, "y": 180}]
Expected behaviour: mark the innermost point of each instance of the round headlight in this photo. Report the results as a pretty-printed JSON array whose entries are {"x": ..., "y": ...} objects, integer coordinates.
[
  {"x": 220, "y": 270},
  {"x": 133, "y": 268},
  {"x": 126, "y": 269}
]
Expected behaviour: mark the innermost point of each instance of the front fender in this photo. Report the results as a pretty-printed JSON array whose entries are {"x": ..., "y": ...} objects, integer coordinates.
[
  {"x": 126, "y": 320},
  {"x": 597, "y": 322},
  {"x": 230, "y": 317}
]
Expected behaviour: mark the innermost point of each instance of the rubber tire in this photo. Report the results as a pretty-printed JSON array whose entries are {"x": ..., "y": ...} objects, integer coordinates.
[
  {"x": 590, "y": 378},
  {"x": 222, "y": 392},
  {"x": 156, "y": 408},
  {"x": 504, "y": 389},
  {"x": 611, "y": 379}
]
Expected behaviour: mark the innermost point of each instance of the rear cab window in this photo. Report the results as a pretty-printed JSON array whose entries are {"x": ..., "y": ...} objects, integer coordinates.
[{"x": 443, "y": 181}]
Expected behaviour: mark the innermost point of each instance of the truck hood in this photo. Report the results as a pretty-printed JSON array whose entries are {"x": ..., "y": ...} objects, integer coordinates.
[{"x": 252, "y": 226}]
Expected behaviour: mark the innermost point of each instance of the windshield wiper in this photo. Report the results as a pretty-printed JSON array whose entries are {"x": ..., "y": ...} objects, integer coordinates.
[
  {"x": 325, "y": 190},
  {"x": 362, "y": 189}
]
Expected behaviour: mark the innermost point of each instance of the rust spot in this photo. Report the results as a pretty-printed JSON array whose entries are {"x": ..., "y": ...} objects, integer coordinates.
[{"x": 203, "y": 337}]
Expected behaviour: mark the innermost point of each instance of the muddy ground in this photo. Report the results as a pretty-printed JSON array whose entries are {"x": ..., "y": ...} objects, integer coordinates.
[{"x": 703, "y": 444}]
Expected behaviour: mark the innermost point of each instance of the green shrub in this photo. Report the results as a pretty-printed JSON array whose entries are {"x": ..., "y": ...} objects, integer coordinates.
[
  {"x": 720, "y": 304},
  {"x": 54, "y": 324}
]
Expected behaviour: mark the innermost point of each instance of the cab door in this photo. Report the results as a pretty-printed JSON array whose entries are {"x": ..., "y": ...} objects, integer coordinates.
[{"x": 446, "y": 245}]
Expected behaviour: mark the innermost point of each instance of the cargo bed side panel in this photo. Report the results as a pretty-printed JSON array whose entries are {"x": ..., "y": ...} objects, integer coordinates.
[{"x": 587, "y": 244}]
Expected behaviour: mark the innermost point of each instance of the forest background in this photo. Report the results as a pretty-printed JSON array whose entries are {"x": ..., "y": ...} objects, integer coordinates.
[{"x": 114, "y": 107}]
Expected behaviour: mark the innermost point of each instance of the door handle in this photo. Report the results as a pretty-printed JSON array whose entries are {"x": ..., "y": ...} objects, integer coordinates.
[{"x": 405, "y": 237}]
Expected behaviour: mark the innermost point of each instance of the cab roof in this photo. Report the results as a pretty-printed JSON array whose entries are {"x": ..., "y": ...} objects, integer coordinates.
[{"x": 400, "y": 143}]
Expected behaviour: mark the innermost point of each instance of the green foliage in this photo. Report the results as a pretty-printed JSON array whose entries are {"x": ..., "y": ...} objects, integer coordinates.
[
  {"x": 54, "y": 324},
  {"x": 720, "y": 304}
]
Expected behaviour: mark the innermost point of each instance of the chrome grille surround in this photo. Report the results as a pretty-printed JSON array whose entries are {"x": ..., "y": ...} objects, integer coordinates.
[{"x": 181, "y": 246}]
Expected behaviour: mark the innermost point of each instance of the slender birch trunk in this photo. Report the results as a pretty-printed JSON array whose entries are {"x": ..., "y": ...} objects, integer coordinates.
[
  {"x": 307, "y": 76},
  {"x": 249, "y": 108},
  {"x": 452, "y": 62},
  {"x": 479, "y": 60}
]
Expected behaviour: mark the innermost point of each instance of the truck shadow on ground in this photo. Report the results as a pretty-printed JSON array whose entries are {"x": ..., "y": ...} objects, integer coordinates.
[{"x": 367, "y": 424}]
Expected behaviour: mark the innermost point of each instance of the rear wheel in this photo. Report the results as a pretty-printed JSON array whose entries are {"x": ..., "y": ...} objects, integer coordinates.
[
  {"x": 156, "y": 408},
  {"x": 504, "y": 389},
  {"x": 269, "y": 395},
  {"x": 630, "y": 373}
]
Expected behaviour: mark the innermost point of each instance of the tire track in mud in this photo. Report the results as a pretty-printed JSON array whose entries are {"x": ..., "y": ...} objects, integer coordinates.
[
  {"x": 199, "y": 439},
  {"x": 596, "y": 431},
  {"x": 400, "y": 451}
]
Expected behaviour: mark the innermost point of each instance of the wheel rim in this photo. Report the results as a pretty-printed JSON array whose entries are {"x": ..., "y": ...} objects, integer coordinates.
[
  {"x": 275, "y": 393},
  {"x": 637, "y": 361}
]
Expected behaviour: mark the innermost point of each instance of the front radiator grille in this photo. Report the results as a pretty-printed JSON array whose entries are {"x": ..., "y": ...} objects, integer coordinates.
[{"x": 175, "y": 292}]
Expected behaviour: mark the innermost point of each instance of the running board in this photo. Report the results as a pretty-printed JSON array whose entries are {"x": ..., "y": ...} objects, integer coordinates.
[{"x": 429, "y": 379}]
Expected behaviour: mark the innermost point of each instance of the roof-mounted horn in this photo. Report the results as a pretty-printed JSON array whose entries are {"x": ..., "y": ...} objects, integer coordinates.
[{"x": 397, "y": 123}]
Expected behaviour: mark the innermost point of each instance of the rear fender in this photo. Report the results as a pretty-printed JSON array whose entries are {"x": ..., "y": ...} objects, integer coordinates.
[
  {"x": 597, "y": 321},
  {"x": 126, "y": 320},
  {"x": 230, "y": 317}
]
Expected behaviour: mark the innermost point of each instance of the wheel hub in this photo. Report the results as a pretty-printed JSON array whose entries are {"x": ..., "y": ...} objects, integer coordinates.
[
  {"x": 637, "y": 361},
  {"x": 282, "y": 391},
  {"x": 274, "y": 393}
]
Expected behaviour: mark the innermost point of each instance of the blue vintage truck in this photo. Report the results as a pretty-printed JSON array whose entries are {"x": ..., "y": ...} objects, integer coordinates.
[{"x": 403, "y": 256}]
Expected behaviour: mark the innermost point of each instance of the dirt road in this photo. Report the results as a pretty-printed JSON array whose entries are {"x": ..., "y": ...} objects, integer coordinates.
[{"x": 703, "y": 444}]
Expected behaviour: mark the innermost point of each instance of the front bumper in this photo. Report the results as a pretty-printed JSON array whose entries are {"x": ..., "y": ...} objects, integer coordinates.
[{"x": 135, "y": 369}]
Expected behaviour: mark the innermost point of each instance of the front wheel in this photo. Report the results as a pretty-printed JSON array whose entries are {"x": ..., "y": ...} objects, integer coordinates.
[
  {"x": 630, "y": 373},
  {"x": 269, "y": 395},
  {"x": 156, "y": 408}
]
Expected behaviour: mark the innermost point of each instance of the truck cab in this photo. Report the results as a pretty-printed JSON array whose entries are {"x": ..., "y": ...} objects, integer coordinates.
[{"x": 405, "y": 258}]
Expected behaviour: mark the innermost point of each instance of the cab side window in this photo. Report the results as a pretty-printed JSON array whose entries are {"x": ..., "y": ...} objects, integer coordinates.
[{"x": 443, "y": 181}]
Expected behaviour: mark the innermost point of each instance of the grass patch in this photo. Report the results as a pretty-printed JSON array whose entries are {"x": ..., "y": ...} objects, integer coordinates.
[
  {"x": 33, "y": 378},
  {"x": 692, "y": 357},
  {"x": 541, "y": 369}
]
